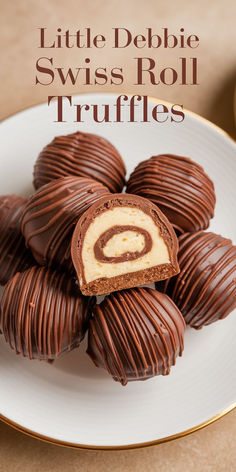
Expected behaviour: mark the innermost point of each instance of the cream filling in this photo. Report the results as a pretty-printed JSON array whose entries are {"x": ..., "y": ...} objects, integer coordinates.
[
  {"x": 128, "y": 241},
  {"x": 94, "y": 269}
]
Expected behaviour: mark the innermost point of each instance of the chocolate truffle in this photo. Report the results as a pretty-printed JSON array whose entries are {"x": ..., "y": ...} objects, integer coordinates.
[
  {"x": 122, "y": 241},
  {"x": 205, "y": 289},
  {"x": 179, "y": 187},
  {"x": 136, "y": 334},
  {"x": 50, "y": 216},
  {"x": 14, "y": 257},
  {"x": 82, "y": 155},
  {"x": 43, "y": 314}
]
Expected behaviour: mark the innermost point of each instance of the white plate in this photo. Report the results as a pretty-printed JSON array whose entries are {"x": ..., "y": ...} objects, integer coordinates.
[{"x": 73, "y": 402}]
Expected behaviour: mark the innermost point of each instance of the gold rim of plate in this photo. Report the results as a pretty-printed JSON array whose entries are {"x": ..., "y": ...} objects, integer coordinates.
[
  {"x": 58, "y": 442},
  {"x": 47, "y": 439}
]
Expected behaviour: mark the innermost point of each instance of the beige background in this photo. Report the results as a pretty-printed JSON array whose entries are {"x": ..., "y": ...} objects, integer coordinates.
[{"x": 214, "y": 448}]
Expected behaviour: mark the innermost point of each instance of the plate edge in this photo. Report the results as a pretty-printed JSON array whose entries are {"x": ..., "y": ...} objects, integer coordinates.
[{"x": 166, "y": 439}]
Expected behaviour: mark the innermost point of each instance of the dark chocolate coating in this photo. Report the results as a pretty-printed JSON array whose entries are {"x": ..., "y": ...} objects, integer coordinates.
[
  {"x": 136, "y": 334},
  {"x": 179, "y": 187},
  {"x": 205, "y": 288},
  {"x": 51, "y": 214},
  {"x": 82, "y": 155},
  {"x": 130, "y": 279},
  {"x": 43, "y": 314},
  {"x": 14, "y": 257}
]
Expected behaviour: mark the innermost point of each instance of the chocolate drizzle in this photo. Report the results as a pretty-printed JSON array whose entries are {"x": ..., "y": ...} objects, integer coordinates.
[
  {"x": 136, "y": 334},
  {"x": 127, "y": 256},
  {"x": 205, "y": 288},
  {"x": 43, "y": 314},
  {"x": 50, "y": 216},
  {"x": 179, "y": 187},
  {"x": 82, "y": 155},
  {"x": 14, "y": 257}
]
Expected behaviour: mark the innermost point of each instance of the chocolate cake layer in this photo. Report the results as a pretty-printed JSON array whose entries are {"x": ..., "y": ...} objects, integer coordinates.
[
  {"x": 136, "y": 334},
  {"x": 122, "y": 241},
  {"x": 179, "y": 187},
  {"x": 43, "y": 314},
  {"x": 14, "y": 257},
  {"x": 82, "y": 155},
  {"x": 205, "y": 288},
  {"x": 51, "y": 214}
]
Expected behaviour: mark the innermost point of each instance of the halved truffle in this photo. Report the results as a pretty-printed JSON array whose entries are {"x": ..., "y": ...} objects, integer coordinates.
[
  {"x": 136, "y": 334},
  {"x": 82, "y": 155},
  {"x": 179, "y": 187},
  {"x": 43, "y": 314},
  {"x": 122, "y": 241},
  {"x": 205, "y": 288},
  {"x": 50, "y": 216},
  {"x": 14, "y": 257}
]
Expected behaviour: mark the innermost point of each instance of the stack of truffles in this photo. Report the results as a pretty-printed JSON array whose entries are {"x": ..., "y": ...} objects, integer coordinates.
[{"x": 78, "y": 237}]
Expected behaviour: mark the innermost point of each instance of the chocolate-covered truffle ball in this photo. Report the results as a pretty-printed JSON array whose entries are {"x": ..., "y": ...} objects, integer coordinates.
[
  {"x": 14, "y": 257},
  {"x": 205, "y": 288},
  {"x": 120, "y": 242},
  {"x": 51, "y": 214},
  {"x": 136, "y": 334},
  {"x": 82, "y": 155},
  {"x": 179, "y": 187},
  {"x": 43, "y": 314}
]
